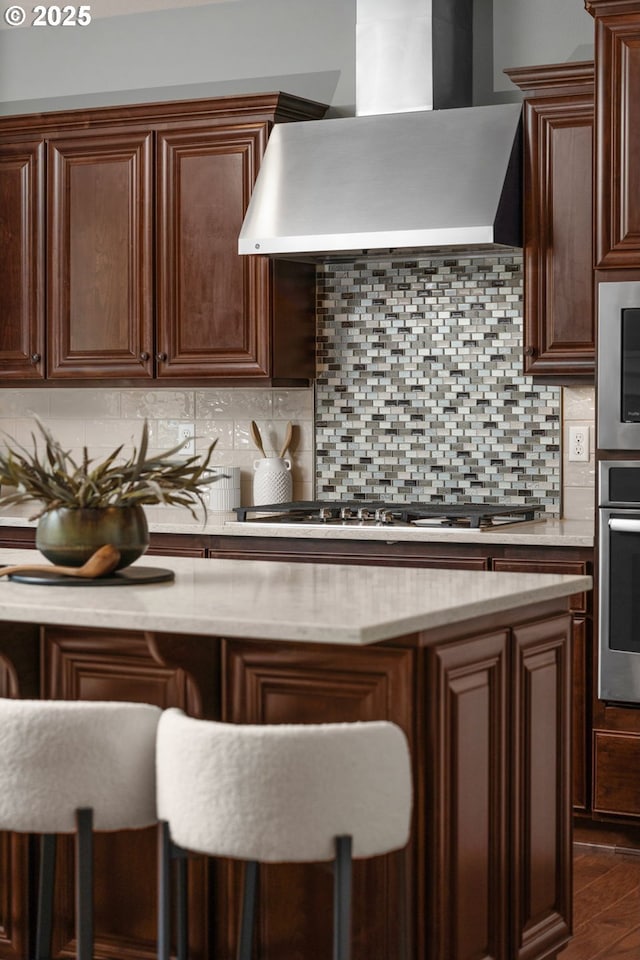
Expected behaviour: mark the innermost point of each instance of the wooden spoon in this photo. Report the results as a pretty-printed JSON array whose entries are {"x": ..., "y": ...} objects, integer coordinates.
[
  {"x": 287, "y": 440},
  {"x": 99, "y": 564},
  {"x": 257, "y": 439}
]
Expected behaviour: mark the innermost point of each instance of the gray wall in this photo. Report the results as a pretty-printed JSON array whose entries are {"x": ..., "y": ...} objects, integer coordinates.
[{"x": 305, "y": 47}]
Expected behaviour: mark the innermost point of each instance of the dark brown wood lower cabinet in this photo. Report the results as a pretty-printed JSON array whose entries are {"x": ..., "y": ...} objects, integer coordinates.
[
  {"x": 98, "y": 665},
  {"x": 486, "y": 709}
]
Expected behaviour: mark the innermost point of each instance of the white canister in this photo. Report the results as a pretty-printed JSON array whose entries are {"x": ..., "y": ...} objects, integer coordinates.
[
  {"x": 272, "y": 480},
  {"x": 224, "y": 493}
]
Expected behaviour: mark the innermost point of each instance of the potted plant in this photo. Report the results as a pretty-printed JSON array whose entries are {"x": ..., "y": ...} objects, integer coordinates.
[{"x": 84, "y": 505}]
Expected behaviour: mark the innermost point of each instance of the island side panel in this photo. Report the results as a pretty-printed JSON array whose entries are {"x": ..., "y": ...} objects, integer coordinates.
[
  {"x": 499, "y": 721},
  {"x": 541, "y": 788},
  {"x": 466, "y": 835},
  {"x": 285, "y": 683}
]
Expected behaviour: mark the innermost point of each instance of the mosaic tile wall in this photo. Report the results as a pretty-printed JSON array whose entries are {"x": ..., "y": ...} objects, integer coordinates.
[{"x": 420, "y": 391}]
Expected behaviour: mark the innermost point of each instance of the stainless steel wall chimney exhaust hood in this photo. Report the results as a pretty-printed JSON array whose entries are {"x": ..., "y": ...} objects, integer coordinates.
[{"x": 400, "y": 176}]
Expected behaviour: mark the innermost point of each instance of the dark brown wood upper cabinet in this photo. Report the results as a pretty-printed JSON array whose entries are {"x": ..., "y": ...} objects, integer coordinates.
[
  {"x": 213, "y": 310},
  {"x": 22, "y": 169},
  {"x": 617, "y": 159},
  {"x": 559, "y": 315},
  {"x": 100, "y": 255},
  {"x": 143, "y": 281}
]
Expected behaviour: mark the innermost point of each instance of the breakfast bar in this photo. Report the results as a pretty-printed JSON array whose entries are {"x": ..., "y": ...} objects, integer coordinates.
[{"x": 475, "y": 666}]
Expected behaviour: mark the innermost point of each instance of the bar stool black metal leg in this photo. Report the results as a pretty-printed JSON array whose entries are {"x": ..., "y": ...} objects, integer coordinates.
[
  {"x": 164, "y": 891},
  {"x": 342, "y": 900},
  {"x": 84, "y": 884},
  {"x": 182, "y": 905},
  {"x": 247, "y": 918},
  {"x": 44, "y": 921}
]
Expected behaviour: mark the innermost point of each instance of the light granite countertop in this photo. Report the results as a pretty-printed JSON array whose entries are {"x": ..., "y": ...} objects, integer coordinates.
[
  {"x": 543, "y": 532},
  {"x": 325, "y": 603}
]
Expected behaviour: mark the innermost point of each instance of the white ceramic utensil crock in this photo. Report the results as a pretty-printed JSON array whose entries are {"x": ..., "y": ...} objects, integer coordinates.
[{"x": 272, "y": 480}]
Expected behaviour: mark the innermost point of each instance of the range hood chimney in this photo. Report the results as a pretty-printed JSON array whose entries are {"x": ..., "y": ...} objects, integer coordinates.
[{"x": 417, "y": 168}]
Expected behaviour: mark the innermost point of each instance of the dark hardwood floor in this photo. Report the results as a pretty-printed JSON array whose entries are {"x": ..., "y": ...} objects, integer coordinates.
[{"x": 606, "y": 904}]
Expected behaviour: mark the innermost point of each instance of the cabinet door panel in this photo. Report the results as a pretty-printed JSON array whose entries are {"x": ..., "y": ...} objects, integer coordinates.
[
  {"x": 615, "y": 776},
  {"x": 541, "y": 910},
  {"x": 558, "y": 247},
  {"x": 22, "y": 258},
  {"x": 271, "y": 683},
  {"x": 581, "y": 644},
  {"x": 467, "y": 716},
  {"x": 213, "y": 308},
  {"x": 618, "y": 154},
  {"x": 97, "y": 665},
  {"x": 100, "y": 310},
  {"x": 559, "y": 321}
]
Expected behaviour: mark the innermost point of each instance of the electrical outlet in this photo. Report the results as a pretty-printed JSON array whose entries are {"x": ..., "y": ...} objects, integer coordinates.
[
  {"x": 579, "y": 444},
  {"x": 187, "y": 433}
]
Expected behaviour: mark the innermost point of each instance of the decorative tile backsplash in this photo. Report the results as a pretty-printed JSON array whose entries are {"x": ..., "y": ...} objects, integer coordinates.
[
  {"x": 103, "y": 418},
  {"x": 420, "y": 392}
]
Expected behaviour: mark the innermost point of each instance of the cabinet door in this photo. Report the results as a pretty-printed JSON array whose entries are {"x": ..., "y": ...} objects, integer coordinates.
[
  {"x": 617, "y": 41},
  {"x": 22, "y": 258},
  {"x": 466, "y": 835},
  {"x": 559, "y": 312},
  {"x": 581, "y": 630},
  {"x": 541, "y": 848},
  {"x": 559, "y": 322},
  {"x": 283, "y": 683},
  {"x": 616, "y": 759},
  {"x": 99, "y": 303},
  {"x": 100, "y": 665},
  {"x": 213, "y": 305}
]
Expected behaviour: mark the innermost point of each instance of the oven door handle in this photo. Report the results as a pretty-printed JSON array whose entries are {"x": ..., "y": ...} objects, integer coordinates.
[{"x": 623, "y": 525}]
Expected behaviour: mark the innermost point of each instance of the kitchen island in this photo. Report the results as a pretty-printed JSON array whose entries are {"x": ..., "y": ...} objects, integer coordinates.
[{"x": 474, "y": 665}]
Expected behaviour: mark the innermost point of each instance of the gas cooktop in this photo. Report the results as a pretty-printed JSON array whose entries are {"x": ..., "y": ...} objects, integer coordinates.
[{"x": 378, "y": 513}]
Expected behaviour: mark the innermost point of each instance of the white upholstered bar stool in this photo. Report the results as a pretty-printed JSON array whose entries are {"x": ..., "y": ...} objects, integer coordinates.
[
  {"x": 74, "y": 767},
  {"x": 280, "y": 793}
]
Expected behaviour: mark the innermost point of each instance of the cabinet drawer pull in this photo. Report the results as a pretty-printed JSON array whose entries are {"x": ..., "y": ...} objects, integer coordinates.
[
  {"x": 529, "y": 351},
  {"x": 144, "y": 355},
  {"x": 36, "y": 358},
  {"x": 161, "y": 356}
]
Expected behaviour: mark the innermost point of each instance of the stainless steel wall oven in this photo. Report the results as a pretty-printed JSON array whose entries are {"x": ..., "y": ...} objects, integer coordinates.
[
  {"x": 618, "y": 402},
  {"x": 619, "y": 581}
]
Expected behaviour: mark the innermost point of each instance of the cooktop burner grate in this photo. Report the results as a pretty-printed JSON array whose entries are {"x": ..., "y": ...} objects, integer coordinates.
[{"x": 474, "y": 515}]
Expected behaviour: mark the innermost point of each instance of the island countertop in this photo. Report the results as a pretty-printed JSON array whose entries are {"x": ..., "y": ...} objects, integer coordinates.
[
  {"x": 314, "y": 602},
  {"x": 474, "y": 665}
]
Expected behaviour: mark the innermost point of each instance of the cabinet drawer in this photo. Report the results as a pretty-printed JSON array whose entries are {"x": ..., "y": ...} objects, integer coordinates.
[
  {"x": 577, "y": 601},
  {"x": 616, "y": 774}
]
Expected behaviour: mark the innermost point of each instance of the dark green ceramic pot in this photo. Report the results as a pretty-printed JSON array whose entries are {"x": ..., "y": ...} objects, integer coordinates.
[{"x": 69, "y": 536}]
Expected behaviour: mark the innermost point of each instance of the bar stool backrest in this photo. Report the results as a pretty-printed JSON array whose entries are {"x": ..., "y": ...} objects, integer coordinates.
[
  {"x": 283, "y": 792},
  {"x": 57, "y": 756}
]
